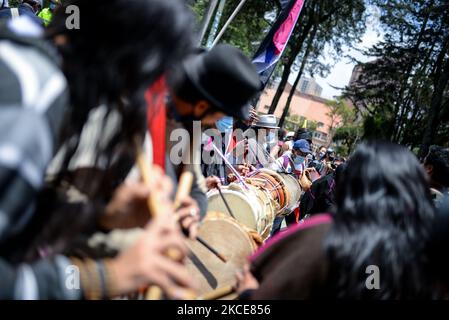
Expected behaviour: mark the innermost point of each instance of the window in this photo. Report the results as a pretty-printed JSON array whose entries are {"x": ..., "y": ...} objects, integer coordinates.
[
  {"x": 304, "y": 85},
  {"x": 320, "y": 135}
]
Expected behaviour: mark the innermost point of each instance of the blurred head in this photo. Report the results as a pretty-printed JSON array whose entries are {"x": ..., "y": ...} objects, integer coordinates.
[
  {"x": 35, "y": 4},
  {"x": 211, "y": 84},
  {"x": 330, "y": 154},
  {"x": 113, "y": 56},
  {"x": 301, "y": 148},
  {"x": 121, "y": 48},
  {"x": 383, "y": 216},
  {"x": 436, "y": 164},
  {"x": 289, "y": 136},
  {"x": 321, "y": 152},
  {"x": 339, "y": 161}
]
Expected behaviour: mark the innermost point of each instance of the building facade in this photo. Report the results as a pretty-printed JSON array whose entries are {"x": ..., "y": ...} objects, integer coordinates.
[{"x": 305, "y": 106}]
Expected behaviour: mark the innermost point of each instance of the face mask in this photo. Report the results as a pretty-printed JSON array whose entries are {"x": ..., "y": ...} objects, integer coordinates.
[
  {"x": 321, "y": 154},
  {"x": 271, "y": 138},
  {"x": 52, "y": 6},
  {"x": 224, "y": 124},
  {"x": 298, "y": 160}
]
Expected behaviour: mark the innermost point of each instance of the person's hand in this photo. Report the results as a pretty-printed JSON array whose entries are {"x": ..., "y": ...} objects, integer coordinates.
[
  {"x": 128, "y": 207},
  {"x": 253, "y": 117},
  {"x": 188, "y": 215},
  {"x": 146, "y": 262},
  {"x": 244, "y": 170},
  {"x": 212, "y": 182},
  {"x": 245, "y": 280}
]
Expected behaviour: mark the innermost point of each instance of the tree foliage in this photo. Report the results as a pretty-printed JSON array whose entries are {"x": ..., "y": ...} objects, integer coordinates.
[
  {"x": 403, "y": 92},
  {"x": 248, "y": 28}
]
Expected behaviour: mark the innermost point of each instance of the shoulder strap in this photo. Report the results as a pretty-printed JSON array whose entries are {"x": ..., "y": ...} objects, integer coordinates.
[
  {"x": 286, "y": 161},
  {"x": 14, "y": 13}
]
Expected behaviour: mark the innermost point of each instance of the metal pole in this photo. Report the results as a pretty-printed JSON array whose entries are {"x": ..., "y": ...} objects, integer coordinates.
[
  {"x": 215, "y": 24},
  {"x": 206, "y": 20},
  {"x": 236, "y": 11}
]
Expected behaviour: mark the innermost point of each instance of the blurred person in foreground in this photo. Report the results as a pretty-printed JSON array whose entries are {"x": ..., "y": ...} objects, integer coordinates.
[
  {"x": 381, "y": 223},
  {"x": 109, "y": 62}
]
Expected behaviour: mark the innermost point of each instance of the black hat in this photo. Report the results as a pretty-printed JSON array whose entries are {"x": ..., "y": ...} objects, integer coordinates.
[
  {"x": 226, "y": 78},
  {"x": 306, "y": 136}
]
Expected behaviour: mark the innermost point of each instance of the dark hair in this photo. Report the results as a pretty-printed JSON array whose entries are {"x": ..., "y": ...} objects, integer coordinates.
[
  {"x": 281, "y": 134},
  {"x": 438, "y": 158},
  {"x": 383, "y": 216},
  {"x": 437, "y": 247},
  {"x": 183, "y": 87},
  {"x": 120, "y": 49}
]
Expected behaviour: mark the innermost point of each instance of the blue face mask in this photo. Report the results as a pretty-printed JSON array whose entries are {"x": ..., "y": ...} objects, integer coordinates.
[
  {"x": 298, "y": 160},
  {"x": 224, "y": 124},
  {"x": 52, "y": 6}
]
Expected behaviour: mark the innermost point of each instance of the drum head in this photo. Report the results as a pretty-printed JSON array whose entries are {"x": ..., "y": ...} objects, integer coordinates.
[
  {"x": 294, "y": 190},
  {"x": 241, "y": 207},
  {"x": 229, "y": 238}
]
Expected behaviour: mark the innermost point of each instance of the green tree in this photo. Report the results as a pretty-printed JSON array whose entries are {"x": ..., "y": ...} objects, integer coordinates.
[
  {"x": 403, "y": 93},
  {"x": 248, "y": 28}
]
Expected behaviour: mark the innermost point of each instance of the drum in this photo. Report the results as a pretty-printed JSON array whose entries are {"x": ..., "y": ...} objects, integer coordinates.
[
  {"x": 284, "y": 189},
  {"x": 294, "y": 190},
  {"x": 230, "y": 238},
  {"x": 253, "y": 208}
]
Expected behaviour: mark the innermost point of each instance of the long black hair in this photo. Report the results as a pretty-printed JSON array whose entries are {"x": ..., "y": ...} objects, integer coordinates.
[
  {"x": 121, "y": 47},
  {"x": 119, "y": 50},
  {"x": 383, "y": 216}
]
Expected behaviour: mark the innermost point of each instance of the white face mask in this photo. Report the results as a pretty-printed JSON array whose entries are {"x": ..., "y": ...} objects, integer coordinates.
[{"x": 271, "y": 138}]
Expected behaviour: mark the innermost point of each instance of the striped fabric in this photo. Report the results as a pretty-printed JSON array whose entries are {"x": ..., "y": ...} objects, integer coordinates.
[{"x": 33, "y": 101}]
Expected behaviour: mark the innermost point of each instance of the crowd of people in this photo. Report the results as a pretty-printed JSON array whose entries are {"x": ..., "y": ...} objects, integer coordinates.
[{"x": 79, "y": 106}]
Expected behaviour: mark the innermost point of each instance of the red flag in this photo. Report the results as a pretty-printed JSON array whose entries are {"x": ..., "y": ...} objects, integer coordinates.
[{"x": 156, "y": 119}]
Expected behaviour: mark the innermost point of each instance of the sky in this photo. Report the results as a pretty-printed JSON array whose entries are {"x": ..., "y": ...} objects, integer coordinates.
[{"x": 341, "y": 73}]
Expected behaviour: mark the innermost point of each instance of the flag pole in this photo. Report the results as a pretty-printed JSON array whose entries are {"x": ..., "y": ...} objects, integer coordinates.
[
  {"x": 226, "y": 25},
  {"x": 206, "y": 20}
]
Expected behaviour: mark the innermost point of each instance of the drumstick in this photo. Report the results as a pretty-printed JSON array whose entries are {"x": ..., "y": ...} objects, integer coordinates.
[
  {"x": 185, "y": 185},
  {"x": 211, "y": 249},
  {"x": 225, "y": 202},
  {"x": 218, "y": 293}
]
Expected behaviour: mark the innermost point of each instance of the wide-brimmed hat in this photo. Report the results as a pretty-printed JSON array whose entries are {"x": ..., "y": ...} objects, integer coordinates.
[
  {"x": 268, "y": 121},
  {"x": 226, "y": 78}
]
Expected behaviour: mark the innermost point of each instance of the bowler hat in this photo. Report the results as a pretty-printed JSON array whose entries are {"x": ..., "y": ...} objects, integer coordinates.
[{"x": 225, "y": 77}]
